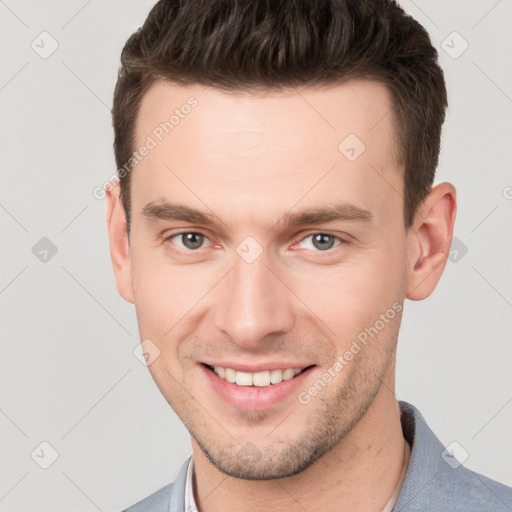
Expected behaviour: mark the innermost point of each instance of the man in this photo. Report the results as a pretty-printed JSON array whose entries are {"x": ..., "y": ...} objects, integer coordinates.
[{"x": 275, "y": 208}]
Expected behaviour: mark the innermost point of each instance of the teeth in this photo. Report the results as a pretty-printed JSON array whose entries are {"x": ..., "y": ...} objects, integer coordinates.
[
  {"x": 230, "y": 374},
  {"x": 288, "y": 374},
  {"x": 261, "y": 379},
  {"x": 276, "y": 376},
  {"x": 243, "y": 379}
]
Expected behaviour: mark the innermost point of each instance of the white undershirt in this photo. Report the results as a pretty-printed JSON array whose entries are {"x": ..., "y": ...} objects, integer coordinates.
[{"x": 190, "y": 502}]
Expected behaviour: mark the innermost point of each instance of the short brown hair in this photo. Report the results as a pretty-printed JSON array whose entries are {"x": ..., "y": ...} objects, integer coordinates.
[{"x": 251, "y": 45}]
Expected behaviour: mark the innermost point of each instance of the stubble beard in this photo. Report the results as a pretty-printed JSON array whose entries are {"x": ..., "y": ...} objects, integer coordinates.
[{"x": 279, "y": 454}]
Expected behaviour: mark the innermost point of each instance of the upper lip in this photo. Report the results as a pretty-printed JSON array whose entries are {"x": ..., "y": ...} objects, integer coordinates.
[{"x": 258, "y": 367}]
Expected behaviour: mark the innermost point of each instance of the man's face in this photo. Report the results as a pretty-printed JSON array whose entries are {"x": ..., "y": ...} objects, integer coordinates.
[{"x": 255, "y": 292}]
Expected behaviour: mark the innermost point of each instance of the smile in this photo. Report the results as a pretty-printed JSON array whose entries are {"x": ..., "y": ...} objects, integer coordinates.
[
  {"x": 260, "y": 379},
  {"x": 256, "y": 386}
]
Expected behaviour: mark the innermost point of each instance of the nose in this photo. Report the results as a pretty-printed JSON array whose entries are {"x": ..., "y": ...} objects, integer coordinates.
[{"x": 254, "y": 304}]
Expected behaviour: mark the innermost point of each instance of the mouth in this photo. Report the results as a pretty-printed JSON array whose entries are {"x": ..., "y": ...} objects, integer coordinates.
[
  {"x": 257, "y": 390},
  {"x": 259, "y": 379}
]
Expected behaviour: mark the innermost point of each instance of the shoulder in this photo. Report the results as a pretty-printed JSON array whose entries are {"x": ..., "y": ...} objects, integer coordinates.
[
  {"x": 156, "y": 502},
  {"x": 436, "y": 481},
  {"x": 170, "y": 498},
  {"x": 476, "y": 492},
  {"x": 461, "y": 490}
]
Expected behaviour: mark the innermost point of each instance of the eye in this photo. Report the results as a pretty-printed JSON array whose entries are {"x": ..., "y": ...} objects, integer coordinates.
[
  {"x": 320, "y": 241},
  {"x": 188, "y": 240}
]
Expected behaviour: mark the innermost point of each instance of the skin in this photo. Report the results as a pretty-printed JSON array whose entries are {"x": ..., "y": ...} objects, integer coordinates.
[{"x": 250, "y": 159}]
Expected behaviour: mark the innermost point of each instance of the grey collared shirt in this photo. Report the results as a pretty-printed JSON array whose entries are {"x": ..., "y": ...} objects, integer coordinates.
[{"x": 435, "y": 481}]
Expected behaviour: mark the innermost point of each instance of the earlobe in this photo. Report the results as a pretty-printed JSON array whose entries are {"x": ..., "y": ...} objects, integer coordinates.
[
  {"x": 430, "y": 239},
  {"x": 119, "y": 243}
]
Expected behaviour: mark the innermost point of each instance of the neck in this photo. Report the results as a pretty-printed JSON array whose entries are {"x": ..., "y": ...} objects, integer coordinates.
[{"x": 360, "y": 474}]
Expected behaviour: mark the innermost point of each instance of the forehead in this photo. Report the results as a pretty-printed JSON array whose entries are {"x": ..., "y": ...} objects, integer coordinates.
[
  {"x": 356, "y": 106},
  {"x": 276, "y": 148}
]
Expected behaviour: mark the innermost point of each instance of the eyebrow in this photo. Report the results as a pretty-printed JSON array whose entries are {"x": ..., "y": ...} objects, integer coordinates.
[{"x": 155, "y": 211}]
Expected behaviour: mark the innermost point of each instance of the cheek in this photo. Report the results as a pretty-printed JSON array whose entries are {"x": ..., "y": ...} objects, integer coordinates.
[
  {"x": 167, "y": 296},
  {"x": 344, "y": 300},
  {"x": 154, "y": 289}
]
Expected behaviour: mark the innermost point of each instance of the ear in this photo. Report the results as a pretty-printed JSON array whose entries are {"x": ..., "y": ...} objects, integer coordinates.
[
  {"x": 429, "y": 241},
  {"x": 119, "y": 242}
]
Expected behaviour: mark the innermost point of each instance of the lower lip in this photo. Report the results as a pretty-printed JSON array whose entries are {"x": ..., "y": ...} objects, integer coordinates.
[{"x": 254, "y": 397}]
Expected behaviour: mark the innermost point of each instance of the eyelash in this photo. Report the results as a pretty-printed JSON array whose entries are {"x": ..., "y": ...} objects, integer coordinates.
[{"x": 328, "y": 251}]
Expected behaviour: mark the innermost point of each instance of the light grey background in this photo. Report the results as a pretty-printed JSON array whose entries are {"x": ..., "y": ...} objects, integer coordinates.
[{"x": 68, "y": 373}]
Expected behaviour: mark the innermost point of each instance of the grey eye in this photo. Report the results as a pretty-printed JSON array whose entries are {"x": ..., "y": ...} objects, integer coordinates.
[
  {"x": 323, "y": 241},
  {"x": 191, "y": 240},
  {"x": 320, "y": 242}
]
